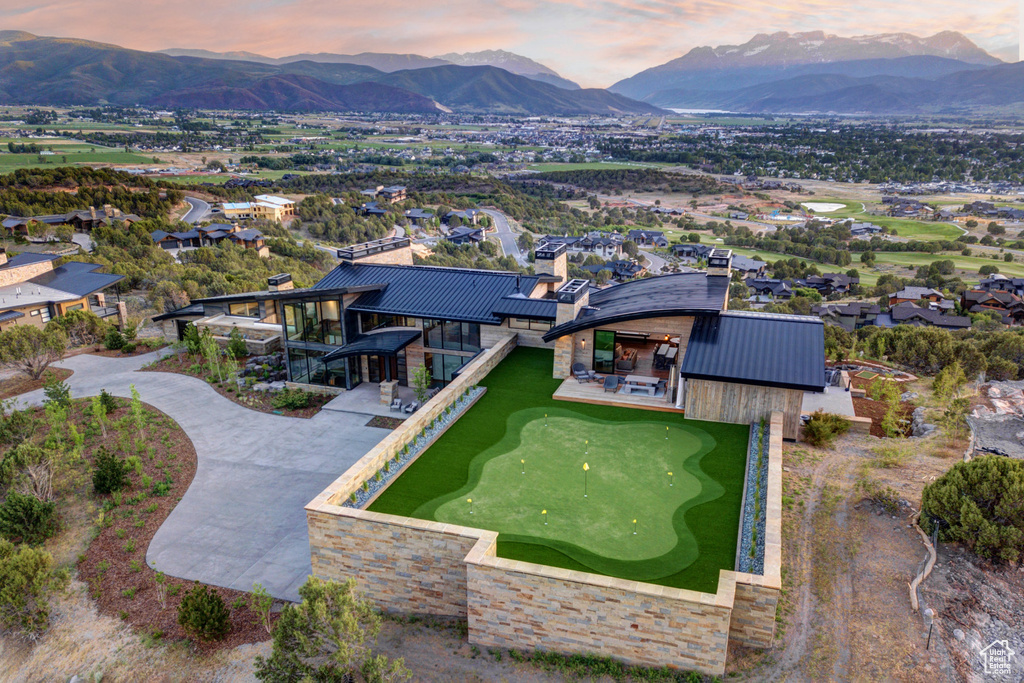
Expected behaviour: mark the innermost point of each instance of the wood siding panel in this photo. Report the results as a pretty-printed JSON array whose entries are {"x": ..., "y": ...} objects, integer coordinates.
[{"x": 743, "y": 403}]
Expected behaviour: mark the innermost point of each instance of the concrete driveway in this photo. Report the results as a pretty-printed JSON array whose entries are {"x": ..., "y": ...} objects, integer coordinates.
[{"x": 242, "y": 520}]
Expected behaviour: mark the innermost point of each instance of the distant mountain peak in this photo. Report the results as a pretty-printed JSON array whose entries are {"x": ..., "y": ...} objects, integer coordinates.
[{"x": 511, "y": 62}]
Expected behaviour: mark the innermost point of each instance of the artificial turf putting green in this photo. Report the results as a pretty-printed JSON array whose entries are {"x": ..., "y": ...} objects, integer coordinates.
[{"x": 686, "y": 531}]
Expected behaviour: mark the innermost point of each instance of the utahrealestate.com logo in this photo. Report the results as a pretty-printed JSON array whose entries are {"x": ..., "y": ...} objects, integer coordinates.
[{"x": 998, "y": 658}]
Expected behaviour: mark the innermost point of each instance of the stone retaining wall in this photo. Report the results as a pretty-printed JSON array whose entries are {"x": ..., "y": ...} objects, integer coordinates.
[{"x": 422, "y": 567}]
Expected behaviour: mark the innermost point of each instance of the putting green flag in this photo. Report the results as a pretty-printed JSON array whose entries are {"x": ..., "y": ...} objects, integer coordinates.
[
  {"x": 586, "y": 467},
  {"x": 634, "y": 521},
  {"x": 543, "y": 512},
  {"x": 469, "y": 500},
  {"x": 670, "y": 474}
]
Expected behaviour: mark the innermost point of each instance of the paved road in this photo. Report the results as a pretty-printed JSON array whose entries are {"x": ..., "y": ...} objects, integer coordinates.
[
  {"x": 83, "y": 240},
  {"x": 242, "y": 520},
  {"x": 507, "y": 238},
  {"x": 657, "y": 262},
  {"x": 199, "y": 211}
]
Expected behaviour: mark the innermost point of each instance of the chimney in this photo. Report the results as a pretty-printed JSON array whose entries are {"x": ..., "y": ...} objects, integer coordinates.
[
  {"x": 720, "y": 263},
  {"x": 571, "y": 297},
  {"x": 108, "y": 210},
  {"x": 551, "y": 261},
  {"x": 280, "y": 283},
  {"x": 396, "y": 251},
  {"x": 3, "y": 256},
  {"x": 92, "y": 212}
]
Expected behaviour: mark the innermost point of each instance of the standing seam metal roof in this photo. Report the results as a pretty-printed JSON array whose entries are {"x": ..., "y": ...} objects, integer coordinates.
[
  {"x": 428, "y": 291},
  {"x": 786, "y": 351}
]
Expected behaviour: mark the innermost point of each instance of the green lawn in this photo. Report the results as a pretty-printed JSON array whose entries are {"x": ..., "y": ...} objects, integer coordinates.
[
  {"x": 686, "y": 524},
  {"x": 904, "y": 227}
]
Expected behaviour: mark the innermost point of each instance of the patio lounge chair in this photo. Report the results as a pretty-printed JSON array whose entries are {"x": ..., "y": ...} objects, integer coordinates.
[
  {"x": 582, "y": 374},
  {"x": 611, "y": 383},
  {"x": 396, "y": 405},
  {"x": 411, "y": 407}
]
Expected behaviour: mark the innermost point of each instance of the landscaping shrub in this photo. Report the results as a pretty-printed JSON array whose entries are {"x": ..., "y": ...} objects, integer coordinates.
[
  {"x": 108, "y": 401},
  {"x": 81, "y": 327},
  {"x": 56, "y": 391},
  {"x": 822, "y": 429},
  {"x": 114, "y": 340},
  {"x": 236, "y": 345},
  {"x": 110, "y": 473},
  {"x": 26, "y": 519},
  {"x": 203, "y": 615},
  {"x": 129, "y": 347},
  {"x": 193, "y": 340},
  {"x": 979, "y": 504},
  {"x": 27, "y": 580},
  {"x": 291, "y": 399}
]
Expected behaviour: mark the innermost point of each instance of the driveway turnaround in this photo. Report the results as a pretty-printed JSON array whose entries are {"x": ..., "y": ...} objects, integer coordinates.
[{"x": 242, "y": 520}]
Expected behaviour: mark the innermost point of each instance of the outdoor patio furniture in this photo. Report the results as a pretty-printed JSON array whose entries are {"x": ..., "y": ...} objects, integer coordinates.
[
  {"x": 580, "y": 372},
  {"x": 411, "y": 407},
  {"x": 611, "y": 383},
  {"x": 396, "y": 405},
  {"x": 641, "y": 383}
]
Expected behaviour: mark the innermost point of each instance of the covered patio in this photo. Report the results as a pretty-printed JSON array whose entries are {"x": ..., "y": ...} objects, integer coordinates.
[{"x": 595, "y": 392}]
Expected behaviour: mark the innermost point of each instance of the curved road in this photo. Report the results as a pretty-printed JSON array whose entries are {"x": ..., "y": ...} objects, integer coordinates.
[
  {"x": 507, "y": 238},
  {"x": 198, "y": 212}
]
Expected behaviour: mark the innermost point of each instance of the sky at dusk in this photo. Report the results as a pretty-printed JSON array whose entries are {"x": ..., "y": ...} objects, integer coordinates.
[{"x": 595, "y": 42}]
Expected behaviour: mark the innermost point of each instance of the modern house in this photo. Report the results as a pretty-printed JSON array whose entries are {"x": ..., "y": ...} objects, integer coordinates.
[
  {"x": 419, "y": 216},
  {"x": 464, "y": 234},
  {"x": 599, "y": 244},
  {"x": 770, "y": 287},
  {"x": 936, "y": 300},
  {"x": 265, "y": 207},
  {"x": 621, "y": 270},
  {"x": 749, "y": 267},
  {"x": 376, "y": 317},
  {"x": 33, "y": 291},
  {"x": 850, "y": 317},
  {"x": 908, "y": 313},
  {"x": 464, "y": 216},
  {"x": 689, "y": 252},
  {"x": 829, "y": 283}
]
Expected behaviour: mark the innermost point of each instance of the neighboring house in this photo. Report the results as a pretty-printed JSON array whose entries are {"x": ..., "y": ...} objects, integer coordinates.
[
  {"x": 770, "y": 287},
  {"x": 851, "y": 316},
  {"x": 748, "y": 267},
  {"x": 864, "y": 229},
  {"x": 621, "y": 270},
  {"x": 936, "y": 300},
  {"x": 372, "y": 209},
  {"x": 654, "y": 238},
  {"x": 908, "y": 313},
  {"x": 465, "y": 234},
  {"x": 377, "y": 318},
  {"x": 607, "y": 247},
  {"x": 84, "y": 220},
  {"x": 692, "y": 253},
  {"x": 829, "y": 283},
  {"x": 471, "y": 216},
  {"x": 738, "y": 215},
  {"x": 265, "y": 207},
  {"x": 1001, "y": 283},
  {"x": 419, "y": 216},
  {"x": 211, "y": 235},
  {"x": 33, "y": 292},
  {"x": 393, "y": 194},
  {"x": 1009, "y": 306}
]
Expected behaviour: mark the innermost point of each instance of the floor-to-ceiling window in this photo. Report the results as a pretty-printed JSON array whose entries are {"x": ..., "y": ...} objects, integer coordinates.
[
  {"x": 450, "y": 335},
  {"x": 443, "y": 365},
  {"x": 604, "y": 351}
]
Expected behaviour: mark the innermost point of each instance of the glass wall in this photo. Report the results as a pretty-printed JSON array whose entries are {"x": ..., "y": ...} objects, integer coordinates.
[
  {"x": 247, "y": 309},
  {"x": 306, "y": 366},
  {"x": 454, "y": 336},
  {"x": 604, "y": 351},
  {"x": 442, "y": 365},
  {"x": 314, "y": 321},
  {"x": 526, "y": 324}
]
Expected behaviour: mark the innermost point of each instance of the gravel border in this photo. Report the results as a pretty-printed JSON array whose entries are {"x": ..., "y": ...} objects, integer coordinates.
[
  {"x": 420, "y": 443},
  {"x": 747, "y": 562}
]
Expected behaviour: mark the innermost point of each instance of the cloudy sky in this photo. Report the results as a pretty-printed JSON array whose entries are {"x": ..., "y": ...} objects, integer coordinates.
[{"x": 595, "y": 42}]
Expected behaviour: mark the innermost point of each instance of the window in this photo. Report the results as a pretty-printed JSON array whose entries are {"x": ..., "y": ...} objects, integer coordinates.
[
  {"x": 527, "y": 324},
  {"x": 76, "y": 307},
  {"x": 450, "y": 335},
  {"x": 307, "y": 367},
  {"x": 604, "y": 351},
  {"x": 247, "y": 309},
  {"x": 313, "y": 321},
  {"x": 369, "y": 322}
]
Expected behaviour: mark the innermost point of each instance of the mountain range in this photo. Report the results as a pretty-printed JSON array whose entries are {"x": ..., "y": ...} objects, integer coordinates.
[
  {"x": 895, "y": 73},
  {"x": 389, "y": 62},
  {"x": 63, "y": 71}
]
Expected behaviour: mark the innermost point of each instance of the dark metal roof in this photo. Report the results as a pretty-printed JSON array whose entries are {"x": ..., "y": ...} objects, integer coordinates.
[
  {"x": 28, "y": 258},
  {"x": 786, "y": 351},
  {"x": 668, "y": 295},
  {"x": 310, "y": 293},
  {"x": 187, "y": 311},
  {"x": 386, "y": 343},
  {"x": 75, "y": 277},
  {"x": 428, "y": 291},
  {"x": 522, "y": 306},
  {"x": 10, "y": 315}
]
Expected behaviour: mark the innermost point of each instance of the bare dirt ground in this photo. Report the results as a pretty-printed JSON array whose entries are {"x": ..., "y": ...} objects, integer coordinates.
[{"x": 847, "y": 564}]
